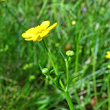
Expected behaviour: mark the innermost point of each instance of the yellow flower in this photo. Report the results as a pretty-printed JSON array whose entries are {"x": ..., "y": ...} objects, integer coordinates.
[
  {"x": 37, "y": 33},
  {"x": 73, "y": 22},
  {"x": 109, "y": 66},
  {"x": 108, "y": 55}
]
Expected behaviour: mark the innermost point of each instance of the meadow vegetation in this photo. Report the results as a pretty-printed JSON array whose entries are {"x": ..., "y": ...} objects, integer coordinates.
[{"x": 22, "y": 84}]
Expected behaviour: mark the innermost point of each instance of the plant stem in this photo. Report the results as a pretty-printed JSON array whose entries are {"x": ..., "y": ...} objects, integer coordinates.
[
  {"x": 77, "y": 55},
  {"x": 108, "y": 90},
  {"x": 65, "y": 93},
  {"x": 67, "y": 73},
  {"x": 67, "y": 96},
  {"x": 50, "y": 57},
  {"x": 56, "y": 72}
]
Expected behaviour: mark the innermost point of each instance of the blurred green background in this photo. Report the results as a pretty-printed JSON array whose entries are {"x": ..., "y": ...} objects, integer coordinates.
[{"x": 22, "y": 84}]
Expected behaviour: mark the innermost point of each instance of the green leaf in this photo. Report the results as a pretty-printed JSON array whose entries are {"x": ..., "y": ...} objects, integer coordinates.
[{"x": 58, "y": 82}]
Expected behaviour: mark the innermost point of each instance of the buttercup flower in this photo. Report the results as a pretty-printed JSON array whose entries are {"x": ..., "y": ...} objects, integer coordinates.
[
  {"x": 37, "y": 33},
  {"x": 108, "y": 66},
  {"x": 108, "y": 55},
  {"x": 73, "y": 22}
]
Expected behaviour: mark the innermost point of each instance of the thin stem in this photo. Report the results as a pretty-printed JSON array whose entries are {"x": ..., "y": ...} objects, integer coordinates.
[
  {"x": 52, "y": 79},
  {"x": 67, "y": 96},
  {"x": 67, "y": 73},
  {"x": 56, "y": 72},
  {"x": 108, "y": 90},
  {"x": 77, "y": 39},
  {"x": 50, "y": 57},
  {"x": 77, "y": 56}
]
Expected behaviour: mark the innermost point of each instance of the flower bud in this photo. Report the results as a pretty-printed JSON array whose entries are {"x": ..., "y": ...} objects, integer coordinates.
[
  {"x": 44, "y": 70},
  {"x": 69, "y": 53}
]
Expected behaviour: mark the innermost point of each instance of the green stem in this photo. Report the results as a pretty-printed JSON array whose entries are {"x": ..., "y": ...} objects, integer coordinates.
[
  {"x": 50, "y": 57},
  {"x": 67, "y": 96},
  {"x": 77, "y": 39},
  {"x": 52, "y": 62},
  {"x": 52, "y": 79},
  {"x": 67, "y": 73},
  {"x": 108, "y": 90},
  {"x": 77, "y": 56}
]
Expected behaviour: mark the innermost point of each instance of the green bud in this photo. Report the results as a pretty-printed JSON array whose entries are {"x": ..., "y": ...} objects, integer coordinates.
[
  {"x": 44, "y": 70},
  {"x": 69, "y": 53}
]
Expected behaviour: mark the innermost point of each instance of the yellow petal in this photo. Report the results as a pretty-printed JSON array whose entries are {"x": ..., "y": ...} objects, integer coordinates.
[
  {"x": 44, "y": 33},
  {"x": 27, "y": 35},
  {"x": 29, "y": 39},
  {"x": 37, "y": 33},
  {"x": 38, "y": 29},
  {"x": 45, "y": 24},
  {"x": 51, "y": 27},
  {"x": 32, "y": 30},
  {"x": 107, "y": 56},
  {"x": 108, "y": 52},
  {"x": 35, "y": 38}
]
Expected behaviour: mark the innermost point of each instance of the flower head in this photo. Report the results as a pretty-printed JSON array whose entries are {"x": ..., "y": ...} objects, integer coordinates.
[
  {"x": 108, "y": 55},
  {"x": 73, "y": 22},
  {"x": 37, "y": 33}
]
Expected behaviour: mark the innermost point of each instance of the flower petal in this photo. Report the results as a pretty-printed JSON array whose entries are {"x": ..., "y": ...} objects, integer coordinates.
[
  {"x": 108, "y": 56},
  {"x": 45, "y": 24},
  {"x": 44, "y": 33},
  {"x": 29, "y": 39},
  {"x": 27, "y": 35},
  {"x": 51, "y": 27},
  {"x": 108, "y": 52},
  {"x": 37, "y": 33}
]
